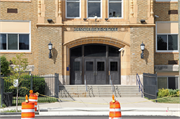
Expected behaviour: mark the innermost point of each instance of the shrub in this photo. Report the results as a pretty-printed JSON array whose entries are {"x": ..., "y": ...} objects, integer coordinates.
[
  {"x": 163, "y": 92},
  {"x": 178, "y": 93},
  {"x": 38, "y": 85},
  {"x": 172, "y": 92},
  {"x": 4, "y": 66}
]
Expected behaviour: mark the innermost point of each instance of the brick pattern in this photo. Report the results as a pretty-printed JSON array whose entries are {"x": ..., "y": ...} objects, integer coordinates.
[
  {"x": 162, "y": 58},
  {"x": 142, "y": 10},
  {"x": 145, "y": 65},
  {"x": 50, "y": 10},
  {"x": 47, "y": 65},
  {"x": 26, "y": 11},
  {"x": 161, "y": 9}
]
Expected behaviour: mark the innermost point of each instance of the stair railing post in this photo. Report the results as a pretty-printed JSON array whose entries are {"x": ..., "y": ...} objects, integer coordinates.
[{"x": 85, "y": 82}]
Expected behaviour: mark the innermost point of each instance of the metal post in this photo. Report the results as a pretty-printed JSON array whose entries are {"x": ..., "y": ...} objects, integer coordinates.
[
  {"x": 31, "y": 81},
  {"x": 85, "y": 81},
  {"x": 2, "y": 89}
]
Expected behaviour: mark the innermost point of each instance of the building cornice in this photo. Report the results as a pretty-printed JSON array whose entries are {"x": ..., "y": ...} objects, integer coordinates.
[{"x": 107, "y": 25}]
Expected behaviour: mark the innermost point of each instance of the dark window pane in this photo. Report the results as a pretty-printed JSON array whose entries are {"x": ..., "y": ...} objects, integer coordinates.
[
  {"x": 2, "y": 41},
  {"x": 113, "y": 66},
  {"x": 115, "y": 10},
  {"x": 95, "y": 50},
  {"x": 100, "y": 66},
  {"x": 162, "y": 82},
  {"x": 89, "y": 66},
  {"x": 171, "y": 83},
  {"x": 12, "y": 42},
  {"x": 162, "y": 42},
  {"x": 172, "y": 42},
  {"x": 94, "y": 9},
  {"x": 113, "y": 51},
  {"x": 23, "y": 41},
  {"x": 76, "y": 51},
  {"x": 76, "y": 66},
  {"x": 73, "y": 9}
]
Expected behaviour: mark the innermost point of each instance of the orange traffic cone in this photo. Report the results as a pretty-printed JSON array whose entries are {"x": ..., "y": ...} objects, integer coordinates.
[
  {"x": 115, "y": 109},
  {"x": 27, "y": 111},
  {"x": 33, "y": 98}
]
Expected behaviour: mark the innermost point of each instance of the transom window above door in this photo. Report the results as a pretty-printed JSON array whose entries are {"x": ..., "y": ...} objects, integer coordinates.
[
  {"x": 73, "y": 8},
  {"x": 115, "y": 8}
]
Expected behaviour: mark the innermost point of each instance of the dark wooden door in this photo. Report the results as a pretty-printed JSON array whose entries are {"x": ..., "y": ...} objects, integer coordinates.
[
  {"x": 76, "y": 71},
  {"x": 114, "y": 70},
  {"x": 100, "y": 70}
]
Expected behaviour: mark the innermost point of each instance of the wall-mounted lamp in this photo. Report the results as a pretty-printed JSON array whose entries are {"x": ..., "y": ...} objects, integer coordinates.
[
  {"x": 85, "y": 19},
  {"x": 49, "y": 20},
  {"x": 50, "y": 48},
  {"x": 106, "y": 19},
  {"x": 142, "y": 48},
  {"x": 142, "y": 21}
]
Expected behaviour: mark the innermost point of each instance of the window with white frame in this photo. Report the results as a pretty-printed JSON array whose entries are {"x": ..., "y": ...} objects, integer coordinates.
[
  {"x": 73, "y": 9},
  {"x": 167, "y": 42},
  {"x": 94, "y": 8},
  {"x": 115, "y": 8},
  {"x": 168, "y": 82},
  {"x": 14, "y": 42}
]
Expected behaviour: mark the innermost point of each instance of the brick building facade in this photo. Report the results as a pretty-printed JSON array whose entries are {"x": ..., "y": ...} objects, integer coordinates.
[{"x": 106, "y": 27}]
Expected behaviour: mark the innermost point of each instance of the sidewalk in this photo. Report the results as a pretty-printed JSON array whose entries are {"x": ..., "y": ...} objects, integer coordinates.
[{"x": 100, "y": 106}]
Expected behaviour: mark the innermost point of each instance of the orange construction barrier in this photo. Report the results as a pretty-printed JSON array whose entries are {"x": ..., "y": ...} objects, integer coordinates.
[
  {"x": 115, "y": 109},
  {"x": 33, "y": 97},
  {"x": 27, "y": 111}
]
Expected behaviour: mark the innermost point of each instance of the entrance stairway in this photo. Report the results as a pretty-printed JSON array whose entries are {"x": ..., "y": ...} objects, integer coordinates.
[{"x": 98, "y": 91}]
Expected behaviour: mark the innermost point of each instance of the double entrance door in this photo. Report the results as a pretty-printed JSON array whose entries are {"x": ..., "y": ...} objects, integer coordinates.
[{"x": 95, "y": 70}]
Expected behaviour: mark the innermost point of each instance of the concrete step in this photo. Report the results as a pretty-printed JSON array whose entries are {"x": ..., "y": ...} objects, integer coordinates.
[{"x": 98, "y": 91}]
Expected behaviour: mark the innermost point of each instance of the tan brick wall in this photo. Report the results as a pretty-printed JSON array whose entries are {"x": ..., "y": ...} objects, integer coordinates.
[
  {"x": 138, "y": 65},
  {"x": 142, "y": 10},
  {"x": 162, "y": 58},
  {"x": 161, "y": 9},
  {"x": 45, "y": 64},
  {"x": 50, "y": 10},
  {"x": 26, "y": 11}
]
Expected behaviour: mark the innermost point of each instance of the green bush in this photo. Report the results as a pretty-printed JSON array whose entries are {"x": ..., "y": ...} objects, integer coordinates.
[
  {"x": 4, "y": 66},
  {"x": 163, "y": 92},
  {"x": 168, "y": 92},
  {"x": 38, "y": 86}
]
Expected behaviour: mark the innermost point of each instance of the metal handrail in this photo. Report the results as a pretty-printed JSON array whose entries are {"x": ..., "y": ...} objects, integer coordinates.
[
  {"x": 112, "y": 84},
  {"x": 140, "y": 84}
]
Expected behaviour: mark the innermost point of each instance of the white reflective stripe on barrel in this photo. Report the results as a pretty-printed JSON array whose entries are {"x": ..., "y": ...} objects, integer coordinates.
[
  {"x": 115, "y": 110},
  {"x": 35, "y": 105},
  {"x": 115, "y": 118},
  {"x": 27, "y": 110},
  {"x": 27, "y": 118},
  {"x": 32, "y": 100}
]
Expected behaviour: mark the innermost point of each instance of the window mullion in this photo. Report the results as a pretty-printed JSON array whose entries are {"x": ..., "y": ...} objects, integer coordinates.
[
  {"x": 167, "y": 42},
  {"x": 7, "y": 41},
  {"x": 18, "y": 41}
]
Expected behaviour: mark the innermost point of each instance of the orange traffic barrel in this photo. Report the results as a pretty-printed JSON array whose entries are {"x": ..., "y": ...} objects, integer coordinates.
[
  {"x": 27, "y": 111},
  {"x": 33, "y": 98},
  {"x": 115, "y": 109}
]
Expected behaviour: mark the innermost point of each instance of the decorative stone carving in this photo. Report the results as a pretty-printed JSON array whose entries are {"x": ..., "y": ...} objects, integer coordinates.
[
  {"x": 39, "y": 8},
  {"x": 151, "y": 9},
  {"x": 132, "y": 6},
  {"x": 59, "y": 8}
]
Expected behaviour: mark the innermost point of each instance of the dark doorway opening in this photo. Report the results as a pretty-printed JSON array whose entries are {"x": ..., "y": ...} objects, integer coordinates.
[{"x": 94, "y": 63}]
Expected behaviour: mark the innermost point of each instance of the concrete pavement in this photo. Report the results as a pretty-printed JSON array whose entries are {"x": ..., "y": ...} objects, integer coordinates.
[{"x": 100, "y": 106}]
